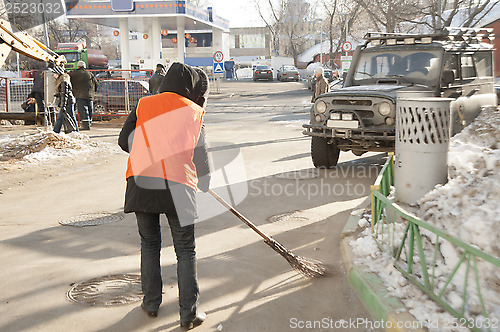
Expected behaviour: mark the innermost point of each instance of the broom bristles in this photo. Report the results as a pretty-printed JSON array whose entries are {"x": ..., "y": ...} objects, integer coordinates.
[{"x": 307, "y": 267}]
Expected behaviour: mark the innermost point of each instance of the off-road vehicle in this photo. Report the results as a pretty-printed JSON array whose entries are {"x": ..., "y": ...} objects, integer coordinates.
[{"x": 360, "y": 117}]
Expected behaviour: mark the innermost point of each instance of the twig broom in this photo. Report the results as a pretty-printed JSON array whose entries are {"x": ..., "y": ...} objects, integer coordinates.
[{"x": 308, "y": 267}]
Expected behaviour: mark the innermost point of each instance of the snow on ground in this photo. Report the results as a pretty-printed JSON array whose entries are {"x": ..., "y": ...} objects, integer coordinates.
[
  {"x": 468, "y": 208},
  {"x": 45, "y": 147}
]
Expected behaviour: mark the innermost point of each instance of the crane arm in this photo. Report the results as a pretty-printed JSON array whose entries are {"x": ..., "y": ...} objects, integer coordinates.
[{"x": 26, "y": 45}]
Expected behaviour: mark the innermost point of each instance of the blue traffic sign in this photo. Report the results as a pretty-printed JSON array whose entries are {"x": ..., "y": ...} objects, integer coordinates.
[{"x": 218, "y": 68}]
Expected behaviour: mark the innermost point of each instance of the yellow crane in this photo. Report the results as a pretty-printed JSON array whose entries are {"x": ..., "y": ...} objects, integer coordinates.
[{"x": 23, "y": 43}]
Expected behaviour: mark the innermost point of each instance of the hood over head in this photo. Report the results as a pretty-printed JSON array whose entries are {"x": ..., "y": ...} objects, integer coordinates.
[{"x": 185, "y": 81}]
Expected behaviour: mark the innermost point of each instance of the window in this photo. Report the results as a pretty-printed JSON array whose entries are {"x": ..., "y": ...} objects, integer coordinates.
[
  {"x": 71, "y": 57},
  {"x": 467, "y": 66},
  {"x": 451, "y": 64},
  {"x": 483, "y": 64}
]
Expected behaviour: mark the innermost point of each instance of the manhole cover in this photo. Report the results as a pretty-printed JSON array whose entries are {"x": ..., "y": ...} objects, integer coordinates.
[
  {"x": 93, "y": 219},
  {"x": 288, "y": 217},
  {"x": 109, "y": 290},
  {"x": 298, "y": 175}
]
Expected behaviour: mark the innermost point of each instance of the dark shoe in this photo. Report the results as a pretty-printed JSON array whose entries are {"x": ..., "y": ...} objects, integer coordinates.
[
  {"x": 200, "y": 317},
  {"x": 151, "y": 314}
]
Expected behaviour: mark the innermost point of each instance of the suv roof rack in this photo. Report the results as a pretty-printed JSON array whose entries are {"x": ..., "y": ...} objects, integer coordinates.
[{"x": 450, "y": 34}]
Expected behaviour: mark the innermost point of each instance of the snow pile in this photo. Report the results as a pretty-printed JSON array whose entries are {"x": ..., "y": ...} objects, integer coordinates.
[
  {"x": 427, "y": 312},
  {"x": 46, "y": 146},
  {"x": 468, "y": 208}
]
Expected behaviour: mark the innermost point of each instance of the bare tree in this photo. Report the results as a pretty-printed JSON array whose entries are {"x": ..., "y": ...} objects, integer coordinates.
[
  {"x": 288, "y": 22},
  {"x": 341, "y": 16},
  {"x": 389, "y": 14},
  {"x": 466, "y": 13},
  {"x": 273, "y": 23}
]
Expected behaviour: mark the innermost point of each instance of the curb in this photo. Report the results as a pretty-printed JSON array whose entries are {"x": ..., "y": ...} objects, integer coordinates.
[{"x": 370, "y": 288}]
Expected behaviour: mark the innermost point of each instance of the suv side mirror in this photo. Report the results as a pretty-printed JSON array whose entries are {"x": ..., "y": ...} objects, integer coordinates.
[{"x": 447, "y": 77}]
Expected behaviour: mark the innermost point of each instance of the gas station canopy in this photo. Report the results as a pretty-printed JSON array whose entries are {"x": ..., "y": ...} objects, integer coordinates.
[
  {"x": 176, "y": 20},
  {"x": 139, "y": 18}
]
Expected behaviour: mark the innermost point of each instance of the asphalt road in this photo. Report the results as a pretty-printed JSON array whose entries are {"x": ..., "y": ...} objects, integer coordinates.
[{"x": 261, "y": 163}]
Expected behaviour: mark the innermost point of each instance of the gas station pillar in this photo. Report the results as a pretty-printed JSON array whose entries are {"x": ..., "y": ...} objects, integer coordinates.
[
  {"x": 181, "y": 45},
  {"x": 124, "y": 45},
  {"x": 155, "y": 42}
]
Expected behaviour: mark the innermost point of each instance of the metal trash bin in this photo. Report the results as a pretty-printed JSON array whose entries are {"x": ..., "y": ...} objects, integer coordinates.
[{"x": 422, "y": 140}]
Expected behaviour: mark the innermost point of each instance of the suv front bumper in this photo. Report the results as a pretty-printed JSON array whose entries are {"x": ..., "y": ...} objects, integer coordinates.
[{"x": 358, "y": 134}]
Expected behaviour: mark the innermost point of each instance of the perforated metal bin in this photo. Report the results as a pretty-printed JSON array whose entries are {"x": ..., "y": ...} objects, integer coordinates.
[{"x": 422, "y": 140}]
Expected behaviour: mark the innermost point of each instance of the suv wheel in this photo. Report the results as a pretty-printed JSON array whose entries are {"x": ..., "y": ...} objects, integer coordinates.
[{"x": 324, "y": 155}]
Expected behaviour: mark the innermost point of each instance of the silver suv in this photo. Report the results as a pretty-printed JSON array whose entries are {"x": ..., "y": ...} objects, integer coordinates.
[{"x": 360, "y": 117}]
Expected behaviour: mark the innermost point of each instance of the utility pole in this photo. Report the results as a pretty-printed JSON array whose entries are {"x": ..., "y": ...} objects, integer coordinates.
[
  {"x": 45, "y": 33},
  {"x": 321, "y": 44},
  {"x": 439, "y": 13}
]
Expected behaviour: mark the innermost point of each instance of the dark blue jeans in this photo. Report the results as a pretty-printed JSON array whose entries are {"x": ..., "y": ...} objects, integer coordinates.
[
  {"x": 85, "y": 110},
  {"x": 66, "y": 117},
  {"x": 184, "y": 245}
]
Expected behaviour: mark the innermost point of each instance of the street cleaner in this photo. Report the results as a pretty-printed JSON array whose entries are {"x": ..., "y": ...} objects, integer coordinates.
[{"x": 168, "y": 162}]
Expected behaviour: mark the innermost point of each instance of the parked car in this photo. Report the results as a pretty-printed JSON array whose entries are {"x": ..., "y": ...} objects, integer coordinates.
[
  {"x": 263, "y": 72},
  {"x": 110, "y": 96},
  {"x": 329, "y": 75},
  {"x": 288, "y": 73}
]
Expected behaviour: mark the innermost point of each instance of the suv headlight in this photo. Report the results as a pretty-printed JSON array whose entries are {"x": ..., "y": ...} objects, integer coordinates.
[
  {"x": 384, "y": 108},
  {"x": 320, "y": 107}
]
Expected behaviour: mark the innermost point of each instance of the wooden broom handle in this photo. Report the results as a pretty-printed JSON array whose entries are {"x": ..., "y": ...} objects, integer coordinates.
[{"x": 240, "y": 216}]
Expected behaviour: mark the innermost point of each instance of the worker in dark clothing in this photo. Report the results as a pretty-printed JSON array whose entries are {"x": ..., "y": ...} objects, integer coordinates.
[
  {"x": 168, "y": 162},
  {"x": 37, "y": 91},
  {"x": 156, "y": 79},
  {"x": 65, "y": 101},
  {"x": 84, "y": 87}
]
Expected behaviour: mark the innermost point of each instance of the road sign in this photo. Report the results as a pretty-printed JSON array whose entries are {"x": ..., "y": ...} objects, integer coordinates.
[
  {"x": 218, "y": 68},
  {"x": 345, "y": 63},
  {"x": 347, "y": 47},
  {"x": 218, "y": 56}
]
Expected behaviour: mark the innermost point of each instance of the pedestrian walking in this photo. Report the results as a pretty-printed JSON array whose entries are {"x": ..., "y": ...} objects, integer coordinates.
[
  {"x": 156, "y": 79},
  {"x": 65, "y": 102},
  {"x": 168, "y": 162},
  {"x": 84, "y": 88},
  {"x": 321, "y": 83}
]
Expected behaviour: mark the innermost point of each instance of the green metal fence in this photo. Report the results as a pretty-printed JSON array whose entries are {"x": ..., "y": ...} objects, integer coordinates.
[{"x": 415, "y": 259}]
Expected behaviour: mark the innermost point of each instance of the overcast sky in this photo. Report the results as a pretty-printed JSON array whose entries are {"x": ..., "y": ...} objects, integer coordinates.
[{"x": 239, "y": 13}]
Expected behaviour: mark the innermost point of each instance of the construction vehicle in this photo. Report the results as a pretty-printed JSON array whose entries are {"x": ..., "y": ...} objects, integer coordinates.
[
  {"x": 24, "y": 44},
  {"x": 74, "y": 52},
  {"x": 361, "y": 116}
]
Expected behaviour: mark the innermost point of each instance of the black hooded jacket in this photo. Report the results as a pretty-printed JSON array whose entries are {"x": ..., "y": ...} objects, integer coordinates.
[{"x": 192, "y": 84}]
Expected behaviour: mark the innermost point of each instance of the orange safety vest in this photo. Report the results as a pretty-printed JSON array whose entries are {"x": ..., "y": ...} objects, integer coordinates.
[{"x": 166, "y": 133}]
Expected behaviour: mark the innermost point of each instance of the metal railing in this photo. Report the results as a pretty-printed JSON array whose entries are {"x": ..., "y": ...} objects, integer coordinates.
[
  {"x": 114, "y": 97},
  {"x": 417, "y": 262},
  {"x": 13, "y": 92},
  {"x": 118, "y": 97}
]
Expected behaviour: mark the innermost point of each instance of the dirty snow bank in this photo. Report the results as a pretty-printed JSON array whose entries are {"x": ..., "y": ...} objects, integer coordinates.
[
  {"x": 47, "y": 146},
  {"x": 427, "y": 312},
  {"x": 466, "y": 207}
]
